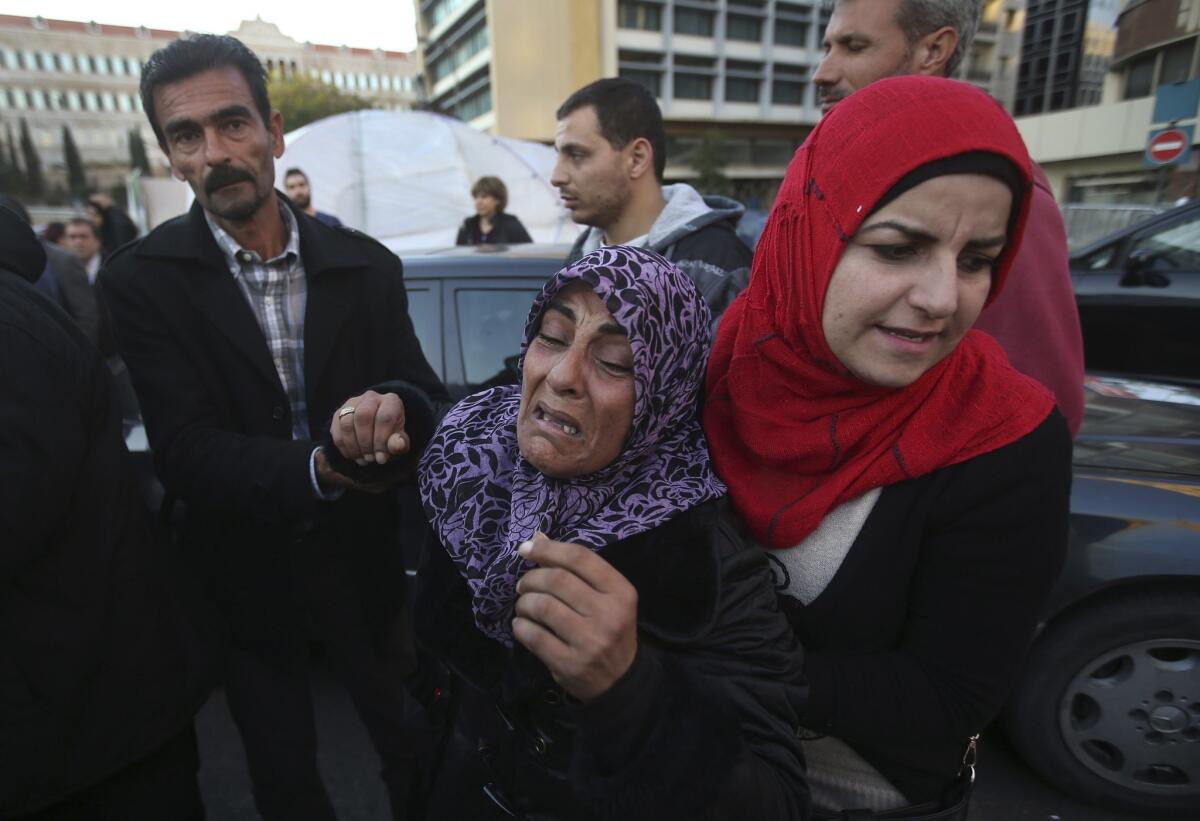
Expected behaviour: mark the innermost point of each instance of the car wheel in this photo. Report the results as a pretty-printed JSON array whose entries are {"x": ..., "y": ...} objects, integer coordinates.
[{"x": 1108, "y": 708}]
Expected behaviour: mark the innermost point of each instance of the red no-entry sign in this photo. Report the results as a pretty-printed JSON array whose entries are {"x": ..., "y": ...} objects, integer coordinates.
[{"x": 1168, "y": 146}]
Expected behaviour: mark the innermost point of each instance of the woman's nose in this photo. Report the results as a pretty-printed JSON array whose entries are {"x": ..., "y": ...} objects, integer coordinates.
[{"x": 936, "y": 292}]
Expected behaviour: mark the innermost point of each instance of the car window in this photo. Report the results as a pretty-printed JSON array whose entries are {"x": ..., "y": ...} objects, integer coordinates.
[
  {"x": 427, "y": 322},
  {"x": 1175, "y": 248},
  {"x": 491, "y": 322},
  {"x": 1101, "y": 259}
]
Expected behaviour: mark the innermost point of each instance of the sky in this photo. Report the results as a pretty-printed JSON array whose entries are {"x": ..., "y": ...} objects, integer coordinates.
[{"x": 360, "y": 23}]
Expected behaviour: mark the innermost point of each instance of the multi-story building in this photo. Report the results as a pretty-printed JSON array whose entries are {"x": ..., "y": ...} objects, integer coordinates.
[
  {"x": 742, "y": 68},
  {"x": 1065, "y": 54},
  {"x": 1095, "y": 155},
  {"x": 1156, "y": 44},
  {"x": 993, "y": 58},
  {"x": 85, "y": 75}
]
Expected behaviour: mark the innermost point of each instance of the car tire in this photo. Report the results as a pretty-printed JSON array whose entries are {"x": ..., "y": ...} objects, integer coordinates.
[{"x": 1108, "y": 708}]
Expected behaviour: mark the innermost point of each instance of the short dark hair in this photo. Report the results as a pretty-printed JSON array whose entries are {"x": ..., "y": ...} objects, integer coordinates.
[
  {"x": 196, "y": 54},
  {"x": 85, "y": 221},
  {"x": 291, "y": 172},
  {"x": 626, "y": 111},
  {"x": 493, "y": 187}
]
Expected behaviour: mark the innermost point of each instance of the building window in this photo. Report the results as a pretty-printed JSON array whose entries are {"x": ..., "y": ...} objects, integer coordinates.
[
  {"x": 791, "y": 33},
  {"x": 743, "y": 27},
  {"x": 652, "y": 80},
  {"x": 84, "y": 62},
  {"x": 439, "y": 10},
  {"x": 30, "y": 61},
  {"x": 693, "y": 86},
  {"x": 135, "y": 68},
  {"x": 459, "y": 52},
  {"x": 475, "y": 105},
  {"x": 101, "y": 63},
  {"x": 644, "y": 16},
  {"x": 109, "y": 104},
  {"x": 49, "y": 61},
  {"x": 19, "y": 100},
  {"x": 789, "y": 84},
  {"x": 741, "y": 90},
  {"x": 1139, "y": 81},
  {"x": 66, "y": 62},
  {"x": 10, "y": 59},
  {"x": 90, "y": 101},
  {"x": 73, "y": 101},
  {"x": 1177, "y": 62},
  {"x": 124, "y": 103},
  {"x": 326, "y": 76},
  {"x": 693, "y": 21},
  {"x": 38, "y": 99}
]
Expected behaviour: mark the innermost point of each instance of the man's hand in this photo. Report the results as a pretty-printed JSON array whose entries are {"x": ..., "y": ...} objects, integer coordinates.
[
  {"x": 577, "y": 614},
  {"x": 330, "y": 478},
  {"x": 370, "y": 428}
]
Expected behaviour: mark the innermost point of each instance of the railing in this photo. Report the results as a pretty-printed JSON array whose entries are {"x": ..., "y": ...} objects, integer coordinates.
[{"x": 1091, "y": 222}]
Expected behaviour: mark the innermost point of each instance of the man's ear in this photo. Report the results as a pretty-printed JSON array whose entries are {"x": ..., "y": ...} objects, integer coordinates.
[
  {"x": 640, "y": 158},
  {"x": 933, "y": 52},
  {"x": 276, "y": 126}
]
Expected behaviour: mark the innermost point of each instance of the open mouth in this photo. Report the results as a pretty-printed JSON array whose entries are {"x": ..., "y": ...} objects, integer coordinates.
[
  {"x": 556, "y": 421},
  {"x": 908, "y": 335}
]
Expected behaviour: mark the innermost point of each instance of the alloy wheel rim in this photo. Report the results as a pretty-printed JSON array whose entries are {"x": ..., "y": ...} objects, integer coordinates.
[{"x": 1132, "y": 716}]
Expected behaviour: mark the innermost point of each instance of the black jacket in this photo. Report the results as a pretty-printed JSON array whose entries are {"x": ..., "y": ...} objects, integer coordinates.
[
  {"x": 101, "y": 660},
  {"x": 506, "y": 230},
  {"x": 702, "y": 726},
  {"x": 918, "y": 638},
  {"x": 220, "y": 427}
]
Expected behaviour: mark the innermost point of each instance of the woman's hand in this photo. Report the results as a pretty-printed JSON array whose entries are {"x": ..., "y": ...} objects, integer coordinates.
[{"x": 577, "y": 614}]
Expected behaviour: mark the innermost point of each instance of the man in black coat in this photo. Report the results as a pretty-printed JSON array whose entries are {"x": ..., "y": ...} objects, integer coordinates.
[
  {"x": 246, "y": 324},
  {"x": 101, "y": 664}
]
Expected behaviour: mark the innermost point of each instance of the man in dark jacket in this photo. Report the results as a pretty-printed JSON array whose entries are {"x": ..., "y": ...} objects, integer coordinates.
[
  {"x": 246, "y": 324},
  {"x": 101, "y": 665},
  {"x": 611, "y": 157}
]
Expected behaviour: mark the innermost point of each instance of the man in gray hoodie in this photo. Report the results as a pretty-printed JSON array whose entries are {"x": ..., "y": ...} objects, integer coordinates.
[{"x": 611, "y": 155}]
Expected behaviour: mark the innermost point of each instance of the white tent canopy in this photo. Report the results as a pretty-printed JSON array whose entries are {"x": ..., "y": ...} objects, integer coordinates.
[{"x": 405, "y": 177}]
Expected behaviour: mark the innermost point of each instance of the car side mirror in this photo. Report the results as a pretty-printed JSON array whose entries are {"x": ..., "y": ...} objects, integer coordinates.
[{"x": 1137, "y": 270}]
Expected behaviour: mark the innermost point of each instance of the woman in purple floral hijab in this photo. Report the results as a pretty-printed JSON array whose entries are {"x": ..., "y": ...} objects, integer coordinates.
[{"x": 611, "y": 648}]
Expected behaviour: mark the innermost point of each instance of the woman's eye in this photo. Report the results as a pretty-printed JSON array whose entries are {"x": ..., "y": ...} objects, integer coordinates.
[
  {"x": 894, "y": 253},
  {"x": 549, "y": 340},
  {"x": 977, "y": 262},
  {"x": 616, "y": 367}
]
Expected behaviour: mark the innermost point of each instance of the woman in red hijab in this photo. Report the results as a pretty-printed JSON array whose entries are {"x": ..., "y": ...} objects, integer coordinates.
[{"x": 910, "y": 487}]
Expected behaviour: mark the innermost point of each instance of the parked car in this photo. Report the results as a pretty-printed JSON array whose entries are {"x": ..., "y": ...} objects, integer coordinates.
[
  {"x": 1138, "y": 291},
  {"x": 1108, "y": 706}
]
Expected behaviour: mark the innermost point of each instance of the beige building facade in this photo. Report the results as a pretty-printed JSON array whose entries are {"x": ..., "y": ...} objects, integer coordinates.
[{"x": 85, "y": 75}]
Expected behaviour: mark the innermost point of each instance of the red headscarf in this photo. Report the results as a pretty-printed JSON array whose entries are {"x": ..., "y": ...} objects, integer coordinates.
[{"x": 791, "y": 431}]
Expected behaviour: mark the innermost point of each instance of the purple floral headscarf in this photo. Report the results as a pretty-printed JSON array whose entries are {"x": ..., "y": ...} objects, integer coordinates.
[{"x": 483, "y": 498}]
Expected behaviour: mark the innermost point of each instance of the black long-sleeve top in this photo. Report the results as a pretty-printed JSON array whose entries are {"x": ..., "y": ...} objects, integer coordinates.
[{"x": 918, "y": 638}]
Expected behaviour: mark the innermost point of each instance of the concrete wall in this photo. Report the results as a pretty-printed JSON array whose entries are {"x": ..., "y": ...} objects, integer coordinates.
[
  {"x": 1084, "y": 141},
  {"x": 542, "y": 50}
]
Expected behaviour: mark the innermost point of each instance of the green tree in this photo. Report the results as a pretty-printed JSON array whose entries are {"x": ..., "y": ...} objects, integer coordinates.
[
  {"x": 35, "y": 183},
  {"x": 137, "y": 153},
  {"x": 709, "y": 163},
  {"x": 11, "y": 180},
  {"x": 76, "y": 177},
  {"x": 302, "y": 100}
]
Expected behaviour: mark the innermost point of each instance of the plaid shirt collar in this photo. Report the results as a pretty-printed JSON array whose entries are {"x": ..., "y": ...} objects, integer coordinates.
[{"x": 241, "y": 261}]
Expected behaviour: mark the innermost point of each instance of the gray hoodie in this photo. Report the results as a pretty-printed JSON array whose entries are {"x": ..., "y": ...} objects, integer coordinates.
[{"x": 698, "y": 234}]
